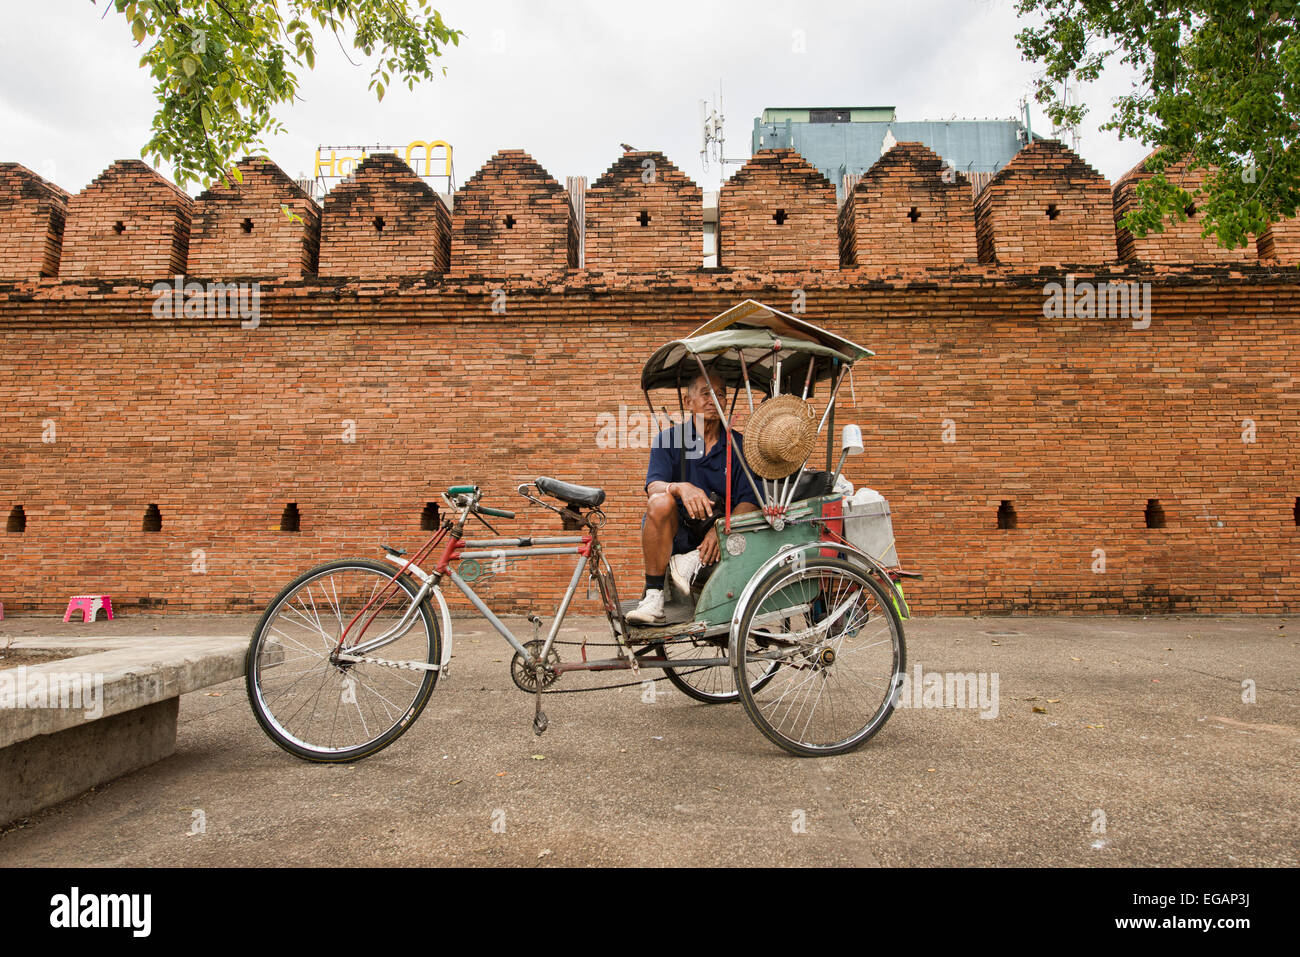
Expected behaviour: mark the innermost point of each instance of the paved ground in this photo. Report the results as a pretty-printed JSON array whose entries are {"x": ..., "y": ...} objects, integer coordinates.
[{"x": 1142, "y": 721}]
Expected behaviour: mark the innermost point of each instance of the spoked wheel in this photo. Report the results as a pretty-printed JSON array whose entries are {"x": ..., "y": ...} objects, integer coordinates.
[
  {"x": 321, "y": 707},
  {"x": 835, "y": 630},
  {"x": 711, "y": 685}
]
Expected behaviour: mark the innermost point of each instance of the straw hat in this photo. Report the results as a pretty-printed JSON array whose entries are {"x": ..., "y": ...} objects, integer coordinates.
[{"x": 780, "y": 436}]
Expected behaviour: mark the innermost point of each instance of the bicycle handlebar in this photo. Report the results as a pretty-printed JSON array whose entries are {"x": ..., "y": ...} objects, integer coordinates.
[{"x": 497, "y": 512}]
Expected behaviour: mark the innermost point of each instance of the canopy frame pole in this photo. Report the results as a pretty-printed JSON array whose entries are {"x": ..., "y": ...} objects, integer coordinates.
[
  {"x": 831, "y": 404},
  {"x": 731, "y": 441},
  {"x": 654, "y": 416},
  {"x": 744, "y": 370},
  {"x": 807, "y": 380}
]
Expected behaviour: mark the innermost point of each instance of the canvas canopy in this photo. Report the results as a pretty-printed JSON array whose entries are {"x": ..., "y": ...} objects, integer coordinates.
[{"x": 752, "y": 330}]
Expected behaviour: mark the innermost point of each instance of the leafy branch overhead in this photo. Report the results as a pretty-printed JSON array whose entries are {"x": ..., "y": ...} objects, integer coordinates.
[
  {"x": 1218, "y": 81},
  {"x": 224, "y": 68}
]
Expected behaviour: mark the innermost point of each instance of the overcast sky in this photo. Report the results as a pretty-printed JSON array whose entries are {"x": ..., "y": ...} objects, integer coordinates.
[{"x": 566, "y": 81}]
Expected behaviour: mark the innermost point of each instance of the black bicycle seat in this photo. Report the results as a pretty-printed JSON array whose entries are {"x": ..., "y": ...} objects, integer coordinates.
[{"x": 583, "y": 495}]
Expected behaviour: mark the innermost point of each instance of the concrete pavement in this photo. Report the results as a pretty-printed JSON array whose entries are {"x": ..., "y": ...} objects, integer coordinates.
[{"x": 1143, "y": 753}]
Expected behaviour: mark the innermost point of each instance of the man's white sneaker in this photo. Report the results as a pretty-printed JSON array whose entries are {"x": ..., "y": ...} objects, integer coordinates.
[
  {"x": 650, "y": 611},
  {"x": 683, "y": 569}
]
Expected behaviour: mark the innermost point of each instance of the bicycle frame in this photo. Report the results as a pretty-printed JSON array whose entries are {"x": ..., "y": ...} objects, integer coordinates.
[{"x": 586, "y": 547}]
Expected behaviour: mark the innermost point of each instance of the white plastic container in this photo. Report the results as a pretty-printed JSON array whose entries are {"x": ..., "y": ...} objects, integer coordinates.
[{"x": 867, "y": 525}]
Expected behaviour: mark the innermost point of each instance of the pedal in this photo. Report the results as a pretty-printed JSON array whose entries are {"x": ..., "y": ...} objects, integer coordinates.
[{"x": 539, "y": 723}]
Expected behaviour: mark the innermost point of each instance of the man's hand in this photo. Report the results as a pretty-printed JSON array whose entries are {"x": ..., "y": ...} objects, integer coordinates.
[
  {"x": 693, "y": 499},
  {"x": 709, "y": 551}
]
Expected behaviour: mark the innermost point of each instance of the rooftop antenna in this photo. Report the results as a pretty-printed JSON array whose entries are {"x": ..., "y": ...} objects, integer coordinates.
[
  {"x": 713, "y": 137},
  {"x": 1070, "y": 97}
]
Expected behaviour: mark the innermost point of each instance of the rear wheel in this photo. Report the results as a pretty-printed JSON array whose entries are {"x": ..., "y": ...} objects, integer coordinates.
[
  {"x": 319, "y": 706},
  {"x": 711, "y": 685},
  {"x": 832, "y": 626}
]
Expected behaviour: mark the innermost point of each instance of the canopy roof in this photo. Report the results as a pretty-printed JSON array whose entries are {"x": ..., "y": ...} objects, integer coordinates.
[{"x": 754, "y": 331}]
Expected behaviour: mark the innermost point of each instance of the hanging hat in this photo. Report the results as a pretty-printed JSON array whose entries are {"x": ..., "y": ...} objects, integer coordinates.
[{"x": 780, "y": 436}]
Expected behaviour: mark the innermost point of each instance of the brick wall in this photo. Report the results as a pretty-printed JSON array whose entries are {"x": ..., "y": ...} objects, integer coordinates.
[
  {"x": 909, "y": 211},
  {"x": 1179, "y": 242},
  {"x": 32, "y": 216},
  {"x": 777, "y": 212},
  {"x": 129, "y": 222},
  {"x": 384, "y": 220},
  {"x": 248, "y": 228},
  {"x": 974, "y": 398},
  {"x": 643, "y": 214},
  {"x": 1046, "y": 206},
  {"x": 1281, "y": 241},
  {"x": 1077, "y": 423},
  {"x": 511, "y": 218}
]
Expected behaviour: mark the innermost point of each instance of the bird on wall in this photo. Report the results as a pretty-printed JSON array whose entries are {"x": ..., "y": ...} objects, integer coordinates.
[{"x": 627, "y": 149}]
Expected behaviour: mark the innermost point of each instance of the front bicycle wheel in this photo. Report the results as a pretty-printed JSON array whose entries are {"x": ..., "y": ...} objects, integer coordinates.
[
  {"x": 831, "y": 625},
  {"x": 324, "y": 708}
]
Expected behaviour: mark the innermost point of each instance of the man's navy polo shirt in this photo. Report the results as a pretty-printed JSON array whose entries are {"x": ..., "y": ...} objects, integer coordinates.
[{"x": 705, "y": 471}]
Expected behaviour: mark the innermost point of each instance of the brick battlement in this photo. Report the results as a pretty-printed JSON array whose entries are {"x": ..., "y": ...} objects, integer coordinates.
[
  {"x": 33, "y": 215},
  {"x": 383, "y": 220},
  {"x": 1046, "y": 206},
  {"x": 908, "y": 210},
  {"x": 644, "y": 214},
  {"x": 777, "y": 212},
  {"x": 511, "y": 219}
]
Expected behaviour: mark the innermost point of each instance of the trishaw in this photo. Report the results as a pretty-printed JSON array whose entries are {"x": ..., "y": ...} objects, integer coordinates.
[{"x": 797, "y": 621}]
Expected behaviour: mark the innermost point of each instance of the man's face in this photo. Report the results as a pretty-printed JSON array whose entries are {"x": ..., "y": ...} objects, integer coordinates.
[{"x": 699, "y": 401}]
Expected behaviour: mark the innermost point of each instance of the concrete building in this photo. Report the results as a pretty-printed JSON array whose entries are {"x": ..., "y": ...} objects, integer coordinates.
[{"x": 846, "y": 141}]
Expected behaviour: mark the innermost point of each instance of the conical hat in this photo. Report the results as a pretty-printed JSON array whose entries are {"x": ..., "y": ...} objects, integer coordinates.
[{"x": 780, "y": 436}]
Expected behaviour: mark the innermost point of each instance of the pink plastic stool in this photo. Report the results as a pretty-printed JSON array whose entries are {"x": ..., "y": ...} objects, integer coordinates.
[{"x": 88, "y": 605}]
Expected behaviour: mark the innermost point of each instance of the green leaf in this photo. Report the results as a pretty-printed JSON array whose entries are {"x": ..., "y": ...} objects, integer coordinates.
[{"x": 190, "y": 66}]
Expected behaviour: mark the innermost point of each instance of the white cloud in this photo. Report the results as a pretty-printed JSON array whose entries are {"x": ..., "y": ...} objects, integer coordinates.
[{"x": 566, "y": 81}]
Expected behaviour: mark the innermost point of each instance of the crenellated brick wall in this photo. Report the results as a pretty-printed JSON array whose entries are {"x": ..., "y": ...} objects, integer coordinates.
[
  {"x": 777, "y": 212},
  {"x": 129, "y": 222},
  {"x": 512, "y": 218},
  {"x": 358, "y": 397},
  {"x": 1179, "y": 242},
  {"x": 262, "y": 225},
  {"x": 32, "y": 217},
  {"x": 909, "y": 211},
  {"x": 384, "y": 220},
  {"x": 1046, "y": 207}
]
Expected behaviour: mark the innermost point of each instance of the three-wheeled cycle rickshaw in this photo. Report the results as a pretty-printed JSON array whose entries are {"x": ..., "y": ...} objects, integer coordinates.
[{"x": 799, "y": 621}]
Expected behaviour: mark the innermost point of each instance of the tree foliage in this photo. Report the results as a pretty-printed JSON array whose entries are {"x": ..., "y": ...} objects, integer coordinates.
[
  {"x": 1218, "y": 83},
  {"x": 224, "y": 68}
]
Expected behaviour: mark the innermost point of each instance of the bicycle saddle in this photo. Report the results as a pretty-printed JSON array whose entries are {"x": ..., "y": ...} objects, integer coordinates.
[{"x": 583, "y": 495}]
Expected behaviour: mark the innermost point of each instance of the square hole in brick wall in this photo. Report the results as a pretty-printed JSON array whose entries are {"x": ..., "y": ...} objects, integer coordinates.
[
  {"x": 429, "y": 518},
  {"x": 152, "y": 519},
  {"x": 119, "y": 227},
  {"x": 378, "y": 223},
  {"x": 17, "y": 522},
  {"x": 290, "y": 520},
  {"x": 1155, "y": 513},
  {"x": 1006, "y": 515},
  {"x": 1297, "y": 510},
  {"x": 1052, "y": 211}
]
